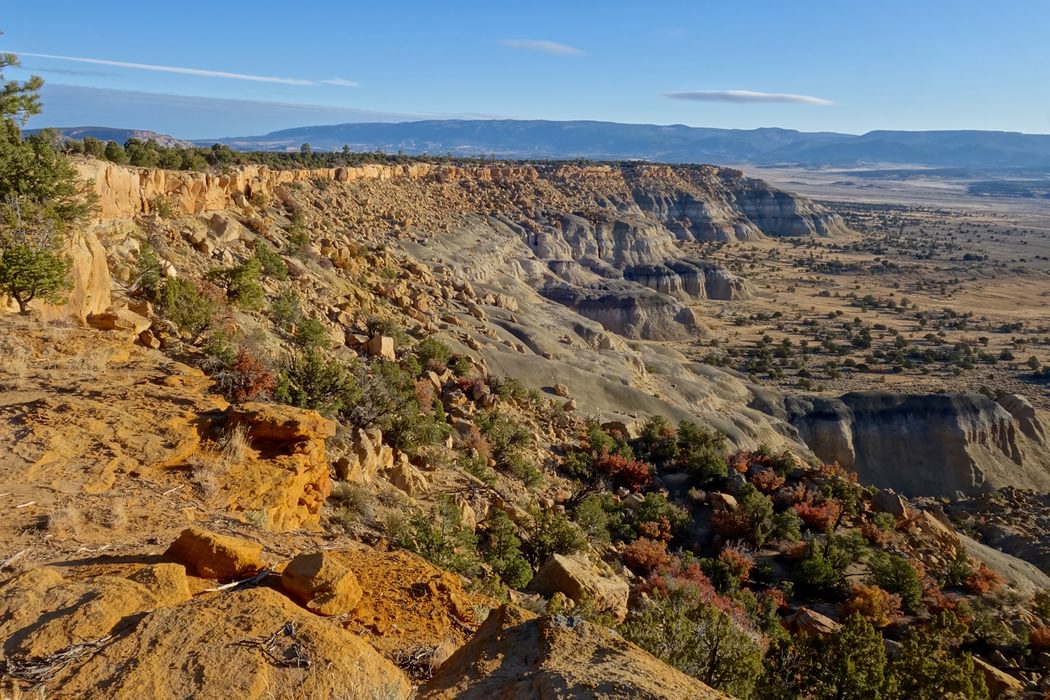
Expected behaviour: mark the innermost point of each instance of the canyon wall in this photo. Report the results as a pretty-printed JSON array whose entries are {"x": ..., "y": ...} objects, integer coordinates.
[
  {"x": 926, "y": 444},
  {"x": 611, "y": 235}
]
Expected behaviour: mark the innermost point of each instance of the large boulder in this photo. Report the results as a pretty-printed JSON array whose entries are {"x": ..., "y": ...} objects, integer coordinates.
[
  {"x": 578, "y": 579},
  {"x": 1000, "y": 683},
  {"x": 322, "y": 582},
  {"x": 220, "y": 557},
  {"x": 250, "y": 643},
  {"x": 806, "y": 621},
  {"x": 515, "y": 657},
  {"x": 270, "y": 422},
  {"x": 43, "y": 613}
]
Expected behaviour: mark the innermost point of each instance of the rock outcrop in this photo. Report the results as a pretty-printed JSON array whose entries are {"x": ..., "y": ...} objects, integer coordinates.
[
  {"x": 252, "y": 643},
  {"x": 287, "y": 478},
  {"x": 924, "y": 444},
  {"x": 579, "y": 580},
  {"x": 513, "y": 657},
  {"x": 322, "y": 582}
]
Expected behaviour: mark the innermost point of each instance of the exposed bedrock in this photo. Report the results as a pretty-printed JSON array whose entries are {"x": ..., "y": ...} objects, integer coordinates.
[
  {"x": 693, "y": 218},
  {"x": 923, "y": 444},
  {"x": 633, "y": 312},
  {"x": 779, "y": 213},
  {"x": 688, "y": 279}
]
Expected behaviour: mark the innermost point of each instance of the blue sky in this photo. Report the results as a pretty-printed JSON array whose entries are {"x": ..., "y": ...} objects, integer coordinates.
[{"x": 240, "y": 68}]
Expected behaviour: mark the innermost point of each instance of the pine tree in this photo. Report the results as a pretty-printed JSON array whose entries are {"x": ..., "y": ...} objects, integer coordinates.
[{"x": 39, "y": 199}]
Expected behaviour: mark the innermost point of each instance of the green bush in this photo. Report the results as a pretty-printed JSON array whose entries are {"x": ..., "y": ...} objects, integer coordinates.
[
  {"x": 850, "y": 663},
  {"x": 657, "y": 441},
  {"x": 387, "y": 391},
  {"x": 656, "y": 509},
  {"x": 507, "y": 439},
  {"x": 272, "y": 264},
  {"x": 440, "y": 537},
  {"x": 501, "y": 550},
  {"x": 286, "y": 309},
  {"x": 162, "y": 206},
  {"x": 432, "y": 353},
  {"x": 696, "y": 637},
  {"x": 552, "y": 533},
  {"x": 931, "y": 666},
  {"x": 597, "y": 515},
  {"x": 148, "y": 275},
  {"x": 787, "y": 526},
  {"x": 311, "y": 333},
  {"x": 823, "y": 568},
  {"x": 31, "y": 271},
  {"x": 894, "y": 574},
  {"x": 310, "y": 379},
  {"x": 182, "y": 302},
  {"x": 702, "y": 452},
  {"x": 241, "y": 283}
]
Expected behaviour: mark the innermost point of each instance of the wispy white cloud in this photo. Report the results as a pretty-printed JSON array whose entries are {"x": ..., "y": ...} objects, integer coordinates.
[
  {"x": 201, "y": 72},
  {"x": 747, "y": 96},
  {"x": 542, "y": 46},
  {"x": 339, "y": 82}
]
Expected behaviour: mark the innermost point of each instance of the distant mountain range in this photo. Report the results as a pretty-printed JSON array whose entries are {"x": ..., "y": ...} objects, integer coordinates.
[{"x": 537, "y": 139}]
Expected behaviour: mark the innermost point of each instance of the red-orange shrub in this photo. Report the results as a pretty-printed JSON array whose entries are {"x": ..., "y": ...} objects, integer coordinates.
[
  {"x": 982, "y": 580},
  {"x": 794, "y": 551},
  {"x": 739, "y": 461},
  {"x": 731, "y": 524},
  {"x": 737, "y": 562},
  {"x": 644, "y": 556},
  {"x": 629, "y": 473},
  {"x": 656, "y": 529},
  {"x": 472, "y": 438},
  {"x": 247, "y": 378},
  {"x": 424, "y": 390},
  {"x": 819, "y": 517},
  {"x": 766, "y": 480},
  {"x": 873, "y": 533},
  {"x": 875, "y": 605},
  {"x": 1039, "y": 638}
]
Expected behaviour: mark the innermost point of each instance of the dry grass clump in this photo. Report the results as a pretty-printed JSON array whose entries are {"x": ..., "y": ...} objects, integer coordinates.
[
  {"x": 352, "y": 504},
  {"x": 65, "y": 523},
  {"x": 211, "y": 463},
  {"x": 234, "y": 446}
]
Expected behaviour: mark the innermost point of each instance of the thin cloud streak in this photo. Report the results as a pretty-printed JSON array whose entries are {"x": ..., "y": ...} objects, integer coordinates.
[
  {"x": 748, "y": 96},
  {"x": 174, "y": 69},
  {"x": 339, "y": 82},
  {"x": 542, "y": 46}
]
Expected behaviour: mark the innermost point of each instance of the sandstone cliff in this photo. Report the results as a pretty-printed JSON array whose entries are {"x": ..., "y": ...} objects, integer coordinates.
[{"x": 926, "y": 444}]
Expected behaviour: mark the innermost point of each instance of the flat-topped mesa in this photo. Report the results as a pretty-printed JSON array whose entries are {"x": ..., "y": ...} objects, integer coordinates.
[
  {"x": 606, "y": 240},
  {"x": 696, "y": 202}
]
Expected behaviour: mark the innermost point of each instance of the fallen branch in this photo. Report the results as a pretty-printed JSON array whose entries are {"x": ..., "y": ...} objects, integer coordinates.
[
  {"x": 37, "y": 670},
  {"x": 12, "y": 559},
  {"x": 242, "y": 583}
]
